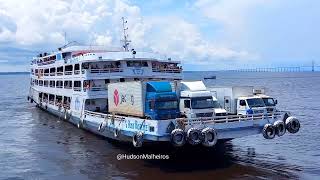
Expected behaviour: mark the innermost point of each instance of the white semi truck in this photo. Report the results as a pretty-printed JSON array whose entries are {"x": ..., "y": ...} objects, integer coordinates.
[
  {"x": 239, "y": 100},
  {"x": 197, "y": 101}
]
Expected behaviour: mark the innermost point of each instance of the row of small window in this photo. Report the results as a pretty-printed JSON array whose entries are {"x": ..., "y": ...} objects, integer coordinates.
[
  {"x": 66, "y": 70},
  {"x": 61, "y": 101},
  {"x": 58, "y": 84}
]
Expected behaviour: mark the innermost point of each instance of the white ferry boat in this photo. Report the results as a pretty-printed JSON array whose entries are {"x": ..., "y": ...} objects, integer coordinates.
[{"x": 72, "y": 83}]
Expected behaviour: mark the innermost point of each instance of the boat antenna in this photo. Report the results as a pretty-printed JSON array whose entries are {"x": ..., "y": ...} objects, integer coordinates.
[{"x": 125, "y": 40}]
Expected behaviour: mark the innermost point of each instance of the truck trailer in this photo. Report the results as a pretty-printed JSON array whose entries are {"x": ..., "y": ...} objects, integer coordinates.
[
  {"x": 151, "y": 100},
  {"x": 239, "y": 100}
]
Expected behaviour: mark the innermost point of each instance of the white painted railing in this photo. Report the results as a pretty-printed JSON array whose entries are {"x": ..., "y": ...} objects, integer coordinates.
[
  {"x": 68, "y": 72},
  {"x": 167, "y": 70},
  {"x": 108, "y": 70}
]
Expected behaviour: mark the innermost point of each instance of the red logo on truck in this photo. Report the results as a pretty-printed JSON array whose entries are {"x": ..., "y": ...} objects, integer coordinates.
[{"x": 116, "y": 97}]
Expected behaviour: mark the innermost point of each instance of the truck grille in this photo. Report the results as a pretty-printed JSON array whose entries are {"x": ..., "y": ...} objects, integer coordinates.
[{"x": 204, "y": 114}]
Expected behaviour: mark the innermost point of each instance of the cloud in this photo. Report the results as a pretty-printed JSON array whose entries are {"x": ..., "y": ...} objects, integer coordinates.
[
  {"x": 180, "y": 38},
  {"x": 41, "y": 25},
  {"x": 232, "y": 14}
]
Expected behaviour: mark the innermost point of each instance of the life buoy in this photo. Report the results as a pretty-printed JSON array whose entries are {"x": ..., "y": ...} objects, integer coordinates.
[
  {"x": 137, "y": 139},
  {"x": 194, "y": 136},
  {"x": 292, "y": 124},
  {"x": 210, "y": 137},
  {"x": 178, "y": 137},
  {"x": 280, "y": 128},
  {"x": 268, "y": 131}
]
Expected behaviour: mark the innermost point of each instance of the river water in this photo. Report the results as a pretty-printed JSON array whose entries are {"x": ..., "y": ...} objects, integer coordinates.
[{"x": 37, "y": 145}]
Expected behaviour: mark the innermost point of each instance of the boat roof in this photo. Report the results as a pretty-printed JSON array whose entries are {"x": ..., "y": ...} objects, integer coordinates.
[{"x": 103, "y": 53}]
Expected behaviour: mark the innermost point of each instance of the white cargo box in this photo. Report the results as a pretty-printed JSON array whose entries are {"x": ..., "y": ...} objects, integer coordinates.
[{"x": 127, "y": 98}]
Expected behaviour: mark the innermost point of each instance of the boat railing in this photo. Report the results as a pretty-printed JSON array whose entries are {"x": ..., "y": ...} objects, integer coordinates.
[
  {"x": 52, "y": 74},
  {"x": 68, "y": 73},
  {"x": 103, "y": 115},
  {"x": 229, "y": 118},
  {"x": 167, "y": 70},
  {"x": 46, "y": 62},
  {"x": 97, "y": 88},
  {"x": 66, "y": 106},
  {"x": 68, "y": 87},
  {"x": 77, "y": 88},
  {"x": 106, "y": 70},
  {"x": 59, "y": 73},
  {"x": 46, "y": 74},
  {"x": 59, "y": 86},
  {"x": 76, "y": 71}
]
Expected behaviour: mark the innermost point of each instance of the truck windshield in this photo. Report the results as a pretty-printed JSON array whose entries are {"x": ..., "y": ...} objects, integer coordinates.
[
  {"x": 268, "y": 101},
  {"x": 202, "y": 103},
  {"x": 166, "y": 104},
  {"x": 216, "y": 104},
  {"x": 255, "y": 102}
]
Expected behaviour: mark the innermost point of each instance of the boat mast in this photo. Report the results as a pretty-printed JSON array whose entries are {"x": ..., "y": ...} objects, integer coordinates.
[{"x": 125, "y": 40}]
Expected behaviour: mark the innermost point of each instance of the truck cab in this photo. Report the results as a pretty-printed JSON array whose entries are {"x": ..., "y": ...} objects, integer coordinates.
[
  {"x": 161, "y": 103},
  {"x": 217, "y": 108},
  {"x": 270, "y": 102},
  {"x": 250, "y": 105},
  {"x": 197, "y": 101}
]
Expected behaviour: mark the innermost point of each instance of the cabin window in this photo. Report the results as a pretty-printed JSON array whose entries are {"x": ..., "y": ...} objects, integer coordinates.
[
  {"x": 187, "y": 104},
  {"x": 59, "y": 84},
  {"x": 242, "y": 103},
  {"x": 68, "y": 70},
  {"x": 76, "y": 69},
  {"x": 58, "y": 101},
  {"x": 46, "y": 83},
  {"x": 52, "y": 71},
  {"x": 122, "y": 80},
  {"x": 107, "y": 81},
  {"x": 59, "y": 71},
  {"x": 77, "y": 85},
  {"x": 46, "y": 72},
  {"x": 51, "y": 99},
  {"x": 68, "y": 84},
  {"x": 137, "y": 64}
]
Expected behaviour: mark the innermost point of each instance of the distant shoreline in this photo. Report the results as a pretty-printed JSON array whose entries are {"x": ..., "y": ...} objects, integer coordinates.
[{"x": 9, "y": 73}]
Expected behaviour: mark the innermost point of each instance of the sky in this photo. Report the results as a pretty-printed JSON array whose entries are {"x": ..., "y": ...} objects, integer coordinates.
[{"x": 202, "y": 34}]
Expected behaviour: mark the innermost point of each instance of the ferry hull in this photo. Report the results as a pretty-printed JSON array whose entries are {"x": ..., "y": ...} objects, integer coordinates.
[{"x": 235, "y": 130}]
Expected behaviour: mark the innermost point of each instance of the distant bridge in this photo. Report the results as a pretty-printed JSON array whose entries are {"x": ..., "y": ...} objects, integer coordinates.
[{"x": 279, "y": 69}]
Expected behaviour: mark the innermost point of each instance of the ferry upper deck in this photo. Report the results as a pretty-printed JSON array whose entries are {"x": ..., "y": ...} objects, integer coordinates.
[{"x": 89, "y": 63}]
